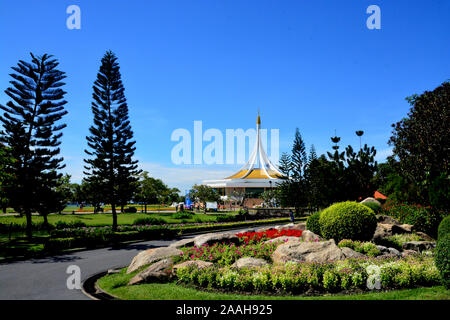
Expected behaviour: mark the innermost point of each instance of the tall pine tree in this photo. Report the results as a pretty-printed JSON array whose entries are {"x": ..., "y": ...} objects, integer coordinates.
[
  {"x": 111, "y": 142},
  {"x": 32, "y": 133}
]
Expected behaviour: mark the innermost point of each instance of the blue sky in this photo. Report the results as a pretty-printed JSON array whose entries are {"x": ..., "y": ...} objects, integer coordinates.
[{"x": 307, "y": 64}]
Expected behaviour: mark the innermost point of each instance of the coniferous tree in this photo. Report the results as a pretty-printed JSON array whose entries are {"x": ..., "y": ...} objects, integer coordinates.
[
  {"x": 285, "y": 164},
  {"x": 31, "y": 131},
  {"x": 111, "y": 165}
]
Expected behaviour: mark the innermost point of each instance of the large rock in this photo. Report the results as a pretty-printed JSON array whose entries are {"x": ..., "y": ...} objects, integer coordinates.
[
  {"x": 212, "y": 238},
  {"x": 183, "y": 243},
  {"x": 419, "y": 245},
  {"x": 159, "y": 271},
  {"x": 372, "y": 200},
  {"x": 349, "y": 253},
  {"x": 387, "y": 220},
  {"x": 309, "y": 236},
  {"x": 308, "y": 251},
  {"x": 197, "y": 263},
  {"x": 284, "y": 239},
  {"x": 424, "y": 236},
  {"x": 292, "y": 226},
  {"x": 247, "y": 262},
  {"x": 152, "y": 255},
  {"x": 383, "y": 230},
  {"x": 402, "y": 228}
]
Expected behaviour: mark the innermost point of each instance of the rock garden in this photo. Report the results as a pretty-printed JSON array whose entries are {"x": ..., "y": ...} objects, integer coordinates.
[{"x": 345, "y": 248}]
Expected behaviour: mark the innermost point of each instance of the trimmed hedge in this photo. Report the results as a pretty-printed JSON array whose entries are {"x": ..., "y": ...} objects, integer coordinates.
[
  {"x": 442, "y": 259},
  {"x": 58, "y": 244},
  {"x": 313, "y": 223},
  {"x": 348, "y": 220},
  {"x": 444, "y": 227}
]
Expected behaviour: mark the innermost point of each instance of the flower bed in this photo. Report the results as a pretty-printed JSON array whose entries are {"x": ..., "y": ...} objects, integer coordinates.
[
  {"x": 296, "y": 278},
  {"x": 254, "y": 237},
  {"x": 225, "y": 255}
]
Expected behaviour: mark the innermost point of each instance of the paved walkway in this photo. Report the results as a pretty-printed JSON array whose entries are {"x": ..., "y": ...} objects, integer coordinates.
[{"x": 46, "y": 278}]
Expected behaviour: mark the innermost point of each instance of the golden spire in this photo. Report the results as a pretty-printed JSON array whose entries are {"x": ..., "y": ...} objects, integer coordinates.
[{"x": 258, "y": 120}]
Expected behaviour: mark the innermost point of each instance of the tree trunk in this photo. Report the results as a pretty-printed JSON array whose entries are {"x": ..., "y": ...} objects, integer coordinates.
[
  {"x": 121, "y": 208},
  {"x": 114, "y": 214},
  {"x": 29, "y": 229},
  {"x": 46, "y": 224},
  {"x": 145, "y": 207}
]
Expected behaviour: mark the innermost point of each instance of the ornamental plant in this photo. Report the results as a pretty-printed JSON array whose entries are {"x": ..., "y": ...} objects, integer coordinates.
[
  {"x": 255, "y": 237},
  {"x": 348, "y": 220},
  {"x": 313, "y": 224}
]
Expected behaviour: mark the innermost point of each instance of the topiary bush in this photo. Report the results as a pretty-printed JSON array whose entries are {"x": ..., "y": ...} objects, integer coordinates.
[
  {"x": 444, "y": 227},
  {"x": 313, "y": 224},
  {"x": 374, "y": 206},
  {"x": 348, "y": 220},
  {"x": 442, "y": 259}
]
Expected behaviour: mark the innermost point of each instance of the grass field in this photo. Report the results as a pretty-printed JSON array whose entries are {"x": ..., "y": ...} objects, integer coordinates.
[
  {"x": 103, "y": 219},
  {"x": 115, "y": 284}
]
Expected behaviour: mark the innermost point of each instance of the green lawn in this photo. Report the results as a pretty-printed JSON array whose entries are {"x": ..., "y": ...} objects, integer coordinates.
[
  {"x": 116, "y": 285},
  {"x": 103, "y": 219}
]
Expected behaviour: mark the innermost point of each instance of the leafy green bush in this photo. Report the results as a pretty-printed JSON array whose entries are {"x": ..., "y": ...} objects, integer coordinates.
[
  {"x": 74, "y": 224},
  {"x": 182, "y": 215},
  {"x": 348, "y": 220},
  {"x": 397, "y": 240},
  {"x": 313, "y": 224},
  {"x": 442, "y": 259},
  {"x": 130, "y": 210},
  {"x": 148, "y": 221},
  {"x": 58, "y": 244},
  {"x": 374, "y": 206},
  {"x": 367, "y": 248},
  {"x": 294, "y": 278},
  {"x": 424, "y": 219},
  {"x": 444, "y": 227}
]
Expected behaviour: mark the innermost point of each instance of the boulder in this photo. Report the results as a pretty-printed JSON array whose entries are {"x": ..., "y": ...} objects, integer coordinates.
[
  {"x": 152, "y": 255},
  {"x": 113, "y": 271},
  {"x": 212, "y": 238},
  {"x": 284, "y": 239},
  {"x": 383, "y": 230},
  {"x": 247, "y": 262},
  {"x": 308, "y": 251},
  {"x": 309, "y": 236},
  {"x": 419, "y": 245},
  {"x": 349, "y": 253},
  {"x": 394, "y": 252},
  {"x": 183, "y": 243},
  {"x": 370, "y": 199},
  {"x": 424, "y": 236},
  {"x": 159, "y": 271},
  {"x": 406, "y": 253},
  {"x": 387, "y": 220},
  {"x": 402, "y": 228},
  {"x": 285, "y": 227},
  {"x": 197, "y": 263},
  {"x": 383, "y": 249}
]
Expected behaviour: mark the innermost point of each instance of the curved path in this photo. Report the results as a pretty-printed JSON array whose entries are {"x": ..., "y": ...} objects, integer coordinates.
[{"x": 46, "y": 278}]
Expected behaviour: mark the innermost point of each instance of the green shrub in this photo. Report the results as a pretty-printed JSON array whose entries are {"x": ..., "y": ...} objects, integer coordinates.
[
  {"x": 74, "y": 224},
  {"x": 148, "y": 221},
  {"x": 424, "y": 219},
  {"x": 313, "y": 224},
  {"x": 374, "y": 206},
  {"x": 442, "y": 259},
  {"x": 130, "y": 210},
  {"x": 397, "y": 240},
  {"x": 367, "y": 248},
  {"x": 182, "y": 215},
  {"x": 444, "y": 227},
  {"x": 58, "y": 244},
  {"x": 348, "y": 220}
]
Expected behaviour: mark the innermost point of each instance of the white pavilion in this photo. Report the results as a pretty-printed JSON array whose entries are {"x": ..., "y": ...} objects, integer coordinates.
[{"x": 257, "y": 175}]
